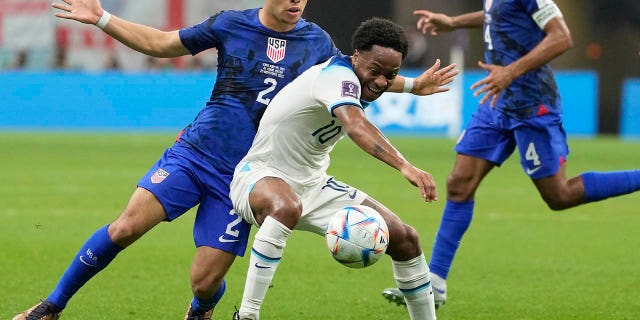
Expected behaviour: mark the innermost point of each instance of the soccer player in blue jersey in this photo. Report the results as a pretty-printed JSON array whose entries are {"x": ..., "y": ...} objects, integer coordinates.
[
  {"x": 282, "y": 184},
  {"x": 520, "y": 107},
  {"x": 259, "y": 51}
]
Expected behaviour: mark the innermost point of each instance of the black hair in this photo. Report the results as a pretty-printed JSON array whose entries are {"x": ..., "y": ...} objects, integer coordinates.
[{"x": 381, "y": 32}]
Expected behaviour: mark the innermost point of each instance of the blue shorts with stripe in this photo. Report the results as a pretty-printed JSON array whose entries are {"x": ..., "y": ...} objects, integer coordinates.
[
  {"x": 180, "y": 180},
  {"x": 493, "y": 136}
]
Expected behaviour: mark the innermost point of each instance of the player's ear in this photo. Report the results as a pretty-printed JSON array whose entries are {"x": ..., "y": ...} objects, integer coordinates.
[{"x": 354, "y": 58}]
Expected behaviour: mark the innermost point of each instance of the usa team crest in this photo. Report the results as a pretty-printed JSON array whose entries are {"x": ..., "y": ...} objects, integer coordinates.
[
  {"x": 276, "y": 49},
  {"x": 159, "y": 176}
]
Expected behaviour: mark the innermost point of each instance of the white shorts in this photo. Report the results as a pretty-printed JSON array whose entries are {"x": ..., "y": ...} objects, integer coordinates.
[{"x": 320, "y": 201}]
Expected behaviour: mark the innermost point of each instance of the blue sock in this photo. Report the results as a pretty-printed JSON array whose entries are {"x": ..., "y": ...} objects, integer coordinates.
[
  {"x": 456, "y": 218},
  {"x": 201, "y": 306},
  {"x": 94, "y": 256},
  {"x": 603, "y": 185}
]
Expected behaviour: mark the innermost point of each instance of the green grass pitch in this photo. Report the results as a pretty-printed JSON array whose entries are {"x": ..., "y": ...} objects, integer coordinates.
[{"x": 519, "y": 259}]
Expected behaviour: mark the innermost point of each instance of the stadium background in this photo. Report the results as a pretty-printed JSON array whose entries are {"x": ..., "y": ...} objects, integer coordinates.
[
  {"x": 519, "y": 260},
  {"x": 51, "y": 65}
]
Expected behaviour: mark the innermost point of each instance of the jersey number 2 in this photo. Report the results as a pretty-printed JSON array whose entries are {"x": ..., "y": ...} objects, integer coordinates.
[{"x": 272, "y": 86}]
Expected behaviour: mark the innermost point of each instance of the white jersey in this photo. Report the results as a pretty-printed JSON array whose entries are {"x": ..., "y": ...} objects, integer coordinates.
[{"x": 298, "y": 129}]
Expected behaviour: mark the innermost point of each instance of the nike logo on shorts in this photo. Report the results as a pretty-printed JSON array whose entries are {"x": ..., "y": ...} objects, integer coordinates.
[
  {"x": 223, "y": 239},
  {"x": 352, "y": 195},
  {"x": 533, "y": 170}
]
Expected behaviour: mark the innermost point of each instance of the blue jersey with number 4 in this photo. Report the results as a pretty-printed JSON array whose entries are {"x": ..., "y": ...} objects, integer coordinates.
[
  {"x": 511, "y": 32},
  {"x": 254, "y": 63}
]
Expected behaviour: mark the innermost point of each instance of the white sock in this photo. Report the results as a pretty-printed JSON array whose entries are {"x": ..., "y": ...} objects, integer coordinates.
[
  {"x": 268, "y": 245},
  {"x": 412, "y": 278}
]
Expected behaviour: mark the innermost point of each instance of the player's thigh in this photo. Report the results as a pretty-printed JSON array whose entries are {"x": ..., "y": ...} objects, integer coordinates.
[
  {"x": 255, "y": 190},
  {"x": 173, "y": 180},
  {"x": 321, "y": 202}
]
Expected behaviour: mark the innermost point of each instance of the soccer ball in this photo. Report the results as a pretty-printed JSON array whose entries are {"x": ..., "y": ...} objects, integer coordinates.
[{"x": 357, "y": 236}]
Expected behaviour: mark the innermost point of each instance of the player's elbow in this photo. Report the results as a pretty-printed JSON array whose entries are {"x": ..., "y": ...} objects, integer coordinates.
[
  {"x": 567, "y": 40},
  {"x": 559, "y": 36},
  {"x": 563, "y": 39}
]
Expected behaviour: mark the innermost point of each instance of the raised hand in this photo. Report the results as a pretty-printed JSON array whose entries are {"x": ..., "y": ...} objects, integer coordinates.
[
  {"x": 85, "y": 11},
  {"x": 433, "y": 79},
  {"x": 431, "y": 22}
]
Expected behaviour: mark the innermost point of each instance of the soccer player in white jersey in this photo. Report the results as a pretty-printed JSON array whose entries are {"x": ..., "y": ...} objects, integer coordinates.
[
  {"x": 282, "y": 184},
  {"x": 197, "y": 169}
]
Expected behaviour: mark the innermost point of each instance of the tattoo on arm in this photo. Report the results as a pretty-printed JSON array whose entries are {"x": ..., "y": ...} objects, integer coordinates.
[{"x": 378, "y": 150}]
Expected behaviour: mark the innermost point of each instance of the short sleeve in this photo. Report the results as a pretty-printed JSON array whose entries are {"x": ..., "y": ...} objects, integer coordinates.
[
  {"x": 336, "y": 86},
  {"x": 542, "y": 11},
  {"x": 200, "y": 37}
]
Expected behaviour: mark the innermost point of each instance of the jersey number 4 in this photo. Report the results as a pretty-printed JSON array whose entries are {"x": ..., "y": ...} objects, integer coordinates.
[{"x": 487, "y": 37}]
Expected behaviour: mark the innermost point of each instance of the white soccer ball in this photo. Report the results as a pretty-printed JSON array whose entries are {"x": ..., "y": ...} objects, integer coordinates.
[{"x": 357, "y": 236}]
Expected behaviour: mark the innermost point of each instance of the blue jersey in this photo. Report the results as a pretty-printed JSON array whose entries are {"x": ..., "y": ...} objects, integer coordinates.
[
  {"x": 248, "y": 78},
  {"x": 510, "y": 32}
]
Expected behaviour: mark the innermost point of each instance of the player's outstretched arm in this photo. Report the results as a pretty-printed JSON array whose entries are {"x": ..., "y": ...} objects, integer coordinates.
[
  {"x": 432, "y": 80},
  {"x": 370, "y": 139},
  {"x": 138, "y": 37},
  {"x": 432, "y": 22}
]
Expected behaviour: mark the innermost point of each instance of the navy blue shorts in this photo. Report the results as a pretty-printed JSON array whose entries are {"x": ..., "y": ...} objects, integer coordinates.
[
  {"x": 181, "y": 180},
  {"x": 493, "y": 136}
]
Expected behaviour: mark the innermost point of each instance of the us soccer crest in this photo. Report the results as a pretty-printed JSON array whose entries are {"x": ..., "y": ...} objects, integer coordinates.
[
  {"x": 276, "y": 49},
  {"x": 159, "y": 176}
]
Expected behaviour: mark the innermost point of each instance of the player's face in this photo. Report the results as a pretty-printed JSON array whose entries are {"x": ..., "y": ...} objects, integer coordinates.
[
  {"x": 376, "y": 70},
  {"x": 282, "y": 15}
]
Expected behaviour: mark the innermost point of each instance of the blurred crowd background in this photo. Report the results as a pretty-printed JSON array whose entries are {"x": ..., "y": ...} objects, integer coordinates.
[{"x": 606, "y": 36}]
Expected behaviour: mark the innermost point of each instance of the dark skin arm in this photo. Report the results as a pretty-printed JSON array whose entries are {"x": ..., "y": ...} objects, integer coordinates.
[
  {"x": 432, "y": 22},
  {"x": 370, "y": 139},
  {"x": 432, "y": 80},
  {"x": 557, "y": 41}
]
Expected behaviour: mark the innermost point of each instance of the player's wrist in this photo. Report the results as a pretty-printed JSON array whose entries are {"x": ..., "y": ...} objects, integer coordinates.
[
  {"x": 104, "y": 19},
  {"x": 408, "y": 84}
]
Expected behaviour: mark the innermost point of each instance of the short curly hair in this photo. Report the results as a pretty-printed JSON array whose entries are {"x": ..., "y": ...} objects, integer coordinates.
[{"x": 381, "y": 32}]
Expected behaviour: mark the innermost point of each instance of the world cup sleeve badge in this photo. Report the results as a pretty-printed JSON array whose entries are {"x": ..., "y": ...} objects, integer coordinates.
[{"x": 350, "y": 89}]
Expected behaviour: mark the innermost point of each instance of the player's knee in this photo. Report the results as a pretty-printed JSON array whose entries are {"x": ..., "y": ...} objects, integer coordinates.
[
  {"x": 557, "y": 202},
  {"x": 404, "y": 243},
  {"x": 412, "y": 237},
  {"x": 207, "y": 285},
  {"x": 123, "y": 232},
  {"x": 287, "y": 212},
  {"x": 460, "y": 187}
]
